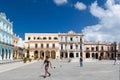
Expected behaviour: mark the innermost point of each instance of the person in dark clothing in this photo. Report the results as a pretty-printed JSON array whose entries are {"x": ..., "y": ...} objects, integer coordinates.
[
  {"x": 81, "y": 62},
  {"x": 46, "y": 64}
]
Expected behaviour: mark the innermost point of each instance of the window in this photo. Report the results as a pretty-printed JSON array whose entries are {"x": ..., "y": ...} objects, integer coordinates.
[
  {"x": 101, "y": 47},
  {"x": 80, "y": 39},
  {"x": 44, "y": 38},
  {"x": 76, "y": 46},
  {"x": 71, "y": 39},
  {"x": 87, "y": 48},
  {"x": 108, "y": 48},
  {"x": 80, "y": 47},
  {"x": 55, "y": 38},
  {"x": 36, "y": 46},
  {"x": 38, "y": 38},
  {"x": 47, "y": 45},
  {"x": 61, "y": 47},
  {"x": 49, "y": 38},
  {"x": 77, "y": 55},
  {"x": 41, "y": 45},
  {"x": 96, "y": 48},
  {"x": 92, "y": 48},
  {"x": 66, "y": 38},
  {"x": 61, "y": 38},
  {"x": 71, "y": 46},
  {"x": 53, "y": 45},
  {"x": 34, "y": 38},
  {"x": 28, "y": 38},
  {"x": 111, "y": 48}
]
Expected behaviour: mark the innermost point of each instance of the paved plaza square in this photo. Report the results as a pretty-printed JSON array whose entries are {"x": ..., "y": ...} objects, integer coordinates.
[{"x": 62, "y": 70}]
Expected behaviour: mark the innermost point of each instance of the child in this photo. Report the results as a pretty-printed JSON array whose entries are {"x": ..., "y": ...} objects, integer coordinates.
[{"x": 46, "y": 64}]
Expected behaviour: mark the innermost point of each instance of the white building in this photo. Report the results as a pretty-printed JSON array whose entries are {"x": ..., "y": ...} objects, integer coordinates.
[
  {"x": 54, "y": 45},
  {"x": 71, "y": 45},
  {"x": 6, "y": 32}
]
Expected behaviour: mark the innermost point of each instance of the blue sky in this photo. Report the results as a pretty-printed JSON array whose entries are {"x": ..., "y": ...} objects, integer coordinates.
[{"x": 53, "y": 16}]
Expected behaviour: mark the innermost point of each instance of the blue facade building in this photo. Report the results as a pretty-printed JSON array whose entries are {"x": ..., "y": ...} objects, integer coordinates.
[{"x": 6, "y": 32}]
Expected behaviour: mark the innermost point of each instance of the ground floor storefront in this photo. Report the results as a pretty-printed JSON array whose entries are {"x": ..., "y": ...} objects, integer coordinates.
[
  {"x": 5, "y": 52},
  {"x": 41, "y": 54},
  {"x": 100, "y": 55},
  {"x": 70, "y": 54}
]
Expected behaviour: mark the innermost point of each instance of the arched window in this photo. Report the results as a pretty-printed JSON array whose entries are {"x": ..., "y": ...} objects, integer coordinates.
[{"x": 28, "y": 38}]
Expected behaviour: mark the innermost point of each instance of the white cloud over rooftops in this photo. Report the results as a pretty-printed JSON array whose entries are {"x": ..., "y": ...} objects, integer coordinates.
[{"x": 108, "y": 28}]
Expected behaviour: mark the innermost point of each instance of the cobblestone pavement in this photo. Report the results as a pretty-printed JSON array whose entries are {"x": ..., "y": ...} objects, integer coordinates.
[{"x": 99, "y": 70}]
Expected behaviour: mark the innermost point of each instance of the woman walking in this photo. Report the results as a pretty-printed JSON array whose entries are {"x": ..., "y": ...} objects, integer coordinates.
[{"x": 46, "y": 64}]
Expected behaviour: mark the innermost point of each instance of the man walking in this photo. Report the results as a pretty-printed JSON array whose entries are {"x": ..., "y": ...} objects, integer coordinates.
[{"x": 81, "y": 62}]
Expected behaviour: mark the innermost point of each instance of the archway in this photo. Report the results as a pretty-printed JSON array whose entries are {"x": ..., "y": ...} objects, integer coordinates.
[
  {"x": 35, "y": 54},
  {"x": 112, "y": 56},
  {"x": 47, "y": 53},
  {"x": 53, "y": 54},
  {"x": 96, "y": 55},
  {"x": 87, "y": 55},
  {"x": 102, "y": 55},
  {"x": 71, "y": 55},
  {"x": 93, "y": 55},
  {"x": 61, "y": 55},
  {"x": 2, "y": 54},
  {"x": 41, "y": 54},
  {"x": 66, "y": 55}
]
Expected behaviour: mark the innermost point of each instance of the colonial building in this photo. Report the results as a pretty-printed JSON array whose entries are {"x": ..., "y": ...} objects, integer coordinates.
[
  {"x": 18, "y": 47},
  {"x": 39, "y": 45},
  {"x": 71, "y": 45},
  {"x": 6, "y": 31},
  {"x": 55, "y": 45},
  {"x": 118, "y": 51},
  {"x": 99, "y": 50}
]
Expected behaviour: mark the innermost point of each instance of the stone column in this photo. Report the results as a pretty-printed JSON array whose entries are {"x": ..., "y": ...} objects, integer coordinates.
[
  {"x": 38, "y": 54},
  {"x": 0, "y": 53},
  {"x": 44, "y": 55},
  {"x": 74, "y": 54},
  {"x": 68, "y": 54}
]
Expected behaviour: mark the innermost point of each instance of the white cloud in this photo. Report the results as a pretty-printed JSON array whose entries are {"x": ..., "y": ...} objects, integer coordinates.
[
  {"x": 108, "y": 28},
  {"x": 80, "y": 6},
  {"x": 60, "y": 2}
]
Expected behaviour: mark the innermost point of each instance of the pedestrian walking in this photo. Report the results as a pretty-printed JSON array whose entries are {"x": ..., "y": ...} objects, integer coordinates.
[
  {"x": 46, "y": 65},
  {"x": 115, "y": 62},
  {"x": 81, "y": 61}
]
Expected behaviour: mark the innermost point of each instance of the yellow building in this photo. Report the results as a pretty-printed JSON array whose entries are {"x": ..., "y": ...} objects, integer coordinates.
[
  {"x": 39, "y": 45},
  {"x": 18, "y": 47},
  {"x": 99, "y": 50}
]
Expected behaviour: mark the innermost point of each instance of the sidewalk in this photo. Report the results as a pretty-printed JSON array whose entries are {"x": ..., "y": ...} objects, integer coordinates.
[
  {"x": 9, "y": 61},
  {"x": 10, "y": 66},
  {"x": 102, "y": 70}
]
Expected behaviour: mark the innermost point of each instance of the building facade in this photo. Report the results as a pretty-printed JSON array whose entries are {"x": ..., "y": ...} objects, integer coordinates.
[
  {"x": 118, "y": 51},
  {"x": 71, "y": 45},
  {"x": 40, "y": 45},
  {"x": 18, "y": 47},
  {"x": 56, "y": 45},
  {"x": 66, "y": 46},
  {"x": 99, "y": 50},
  {"x": 6, "y": 31}
]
